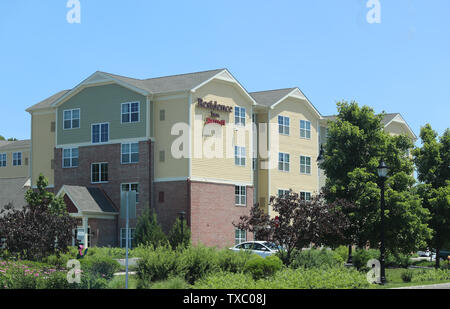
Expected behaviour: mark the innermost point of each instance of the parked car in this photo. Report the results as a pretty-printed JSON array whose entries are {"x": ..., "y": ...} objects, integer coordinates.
[
  {"x": 426, "y": 253},
  {"x": 262, "y": 248}
]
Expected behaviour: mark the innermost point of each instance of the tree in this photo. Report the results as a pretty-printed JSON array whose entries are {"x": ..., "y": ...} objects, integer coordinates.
[
  {"x": 180, "y": 234},
  {"x": 433, "y": 170},
  {"x": 37, "y": 230},
  {"x": 356, "y": 144},
  {"x": 149, "y": 232},
  {"x": 12, "y": 139},
  {"x": 41, "y": 196},
  {"x": 298, "y": 223}
]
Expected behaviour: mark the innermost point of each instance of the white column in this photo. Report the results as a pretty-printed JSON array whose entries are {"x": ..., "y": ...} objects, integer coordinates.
[{"x": 85, "y": 227}]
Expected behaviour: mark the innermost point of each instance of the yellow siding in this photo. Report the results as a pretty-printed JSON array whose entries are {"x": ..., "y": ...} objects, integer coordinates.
[
  {"x": 176, "y": 111},
  {"x": 296, "y": 110},
  {"x": 221, "y": 167},
  {"x": 43, "y": 144},
  {"x": 11, "y": 171}
]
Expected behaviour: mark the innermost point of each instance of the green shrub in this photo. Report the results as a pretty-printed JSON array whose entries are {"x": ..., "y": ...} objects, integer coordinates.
[
  {"x": 343, "y": 252},
  {"x": 179, "y": 235},
  {"x": 55, "y": 281},
  {"x": 196, "y": 262},
  {"x": 157, "y": 265},
  {"x": 316, "y": 259},
  {"x": 100, "y": 266},
  {"x": 431, "y": 275},
  {"x": 231, "y": 261},
  {"x": 149, "y": 231},
  {"x": 225, "y": 281},
  {"x": 176, "y": 283},
  {"x": 260, "y": 267},
  {"x": 362, "y": 256},
  {"x": 398, "y": 260},
  {"x": 407, "y": 276}
]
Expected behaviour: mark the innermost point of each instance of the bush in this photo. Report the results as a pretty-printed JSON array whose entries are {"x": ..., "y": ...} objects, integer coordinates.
[
  {"x": 398, "y": 260},
  {"x": 99, "y": 266},
  {"x": 260, "y": 267},
  {"x": 316, "y": 259},
  {"x": 233, "y": 262},
  {"x": 361, "y": 257},
  {"x": 343, "y": 252},
  {"x": 149, "y": 232},
  {"x": 431, "y": 275},
  {"x": 407, "y": 276},
  {"x": 180, "y": 235},
  {"x": 176, "y": 283},
  {"x": 196, "y": 262},
  {"x": 226, "y": 280}
]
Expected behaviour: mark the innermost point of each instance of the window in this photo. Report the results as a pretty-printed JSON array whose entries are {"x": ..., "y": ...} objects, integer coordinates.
[
  {"x": 282, "y": 193},
  {"x": 239, "y": 156},
  {"x": 130, "y": 153},
  {"x": 162, "y": 115},
  {"x": 70, "y": 157},
  {"x": 240, "y": 193},
  {"x": 99, "y": 172},
  {"x": 283, "y": 162},
  {"x": 305, "y": 129},
  {"x": 305, "y": 165},
  {"x": 240, "y": 236},
  {"x": 123, "y": 237},
  {"x": 2, "y": 159},
  {"x": 17, "y": 159},
  {"x": 100, "y": 133},
  {"x": 127, "y": 187},
  {"x": 305, "y": 196},
  {"x": 130, "y": 112},
  {"x": 239, "y": 116},
  {"x": 161, "y": 197},
  {"x": 72, "y": 119},
  {"x": 283, "y": 125}
]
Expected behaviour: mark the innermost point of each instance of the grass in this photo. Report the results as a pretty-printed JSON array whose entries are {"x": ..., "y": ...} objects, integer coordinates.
[{"x": 394, "y": 279}]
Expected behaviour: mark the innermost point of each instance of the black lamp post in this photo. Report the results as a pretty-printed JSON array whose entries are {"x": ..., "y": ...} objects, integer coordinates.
[{"x": 382, "y": 174}]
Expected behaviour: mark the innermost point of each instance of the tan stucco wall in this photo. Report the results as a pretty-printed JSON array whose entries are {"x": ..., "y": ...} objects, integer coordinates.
[
  {"x": 43, "y": 144},
  {"x": 11, "y": 171}
]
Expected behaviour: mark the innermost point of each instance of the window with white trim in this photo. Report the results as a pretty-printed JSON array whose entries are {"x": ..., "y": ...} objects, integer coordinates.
[
  {"x": 72, "y": 119},
  {"x": 17, "y": 159},
  {"x": 70, "y": 157},
  {"x": 282, "y": 193},
  {"x": 123, "y": 237},
  {"x": 305, "y": 196},
  {"x": 284, "y": 162},
  {"x": 239, "y": 116},
  {"x": 127, "y": 187},
  {"x": 130, "y": 153},
  {"x": 283, "y": 125},
  {"x": 240, "y": 193},
  {"x": 100, "y": 133},
  {"x": 305, "y": 165},
  {"x": 240, "y": 236},
  {"x": 305, "y": 129},
  {"x": 130, "y": 112},
  {"x": 2, "y": 159},
  {"x": 239, "y": 156},
  {"x": 99, "y": 172}
]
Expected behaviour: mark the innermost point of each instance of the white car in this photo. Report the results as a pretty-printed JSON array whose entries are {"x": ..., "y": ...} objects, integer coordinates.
[
  {"x": 426, "y": 253},
  {"x": 262, "y": 248}
]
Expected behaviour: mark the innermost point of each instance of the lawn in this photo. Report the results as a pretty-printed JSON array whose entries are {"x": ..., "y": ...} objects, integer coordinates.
[{"x": 394, "y": 279}]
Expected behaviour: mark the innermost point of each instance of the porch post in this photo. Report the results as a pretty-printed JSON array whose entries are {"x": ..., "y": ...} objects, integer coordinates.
[{"x": 85, "y": 228}]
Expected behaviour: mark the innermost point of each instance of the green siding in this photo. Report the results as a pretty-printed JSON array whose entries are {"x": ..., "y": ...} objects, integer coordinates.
[{"x": 98, "y": 105}]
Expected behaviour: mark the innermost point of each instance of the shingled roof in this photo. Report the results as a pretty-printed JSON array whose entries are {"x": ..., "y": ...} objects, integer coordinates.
[
  {"x": 269, "y": 97},
  {"x": 12, "y": 192},
  {"x": 91, "y": 200}
]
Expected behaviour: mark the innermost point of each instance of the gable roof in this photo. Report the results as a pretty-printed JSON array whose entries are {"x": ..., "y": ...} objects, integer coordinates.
[
  {"x": 5, "y": 145},
  {"x": 90, "y": 200},
  {"x": 12, "y": 192},
  {"x": 47, "y": 102}
]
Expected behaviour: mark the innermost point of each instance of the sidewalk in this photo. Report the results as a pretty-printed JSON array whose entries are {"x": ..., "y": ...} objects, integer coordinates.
[{"x": 443, "y": 286}]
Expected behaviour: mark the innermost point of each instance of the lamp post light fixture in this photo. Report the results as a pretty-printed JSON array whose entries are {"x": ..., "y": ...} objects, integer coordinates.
[{"x": 382, "y": 174}]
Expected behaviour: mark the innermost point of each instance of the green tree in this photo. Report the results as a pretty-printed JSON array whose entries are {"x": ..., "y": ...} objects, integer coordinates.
[
  {"x": 149, "y": 231},
  {"x": 2, "y": 138},
  {"x": 356, "y": 144},
  {"x": 41, "y": 196},
  {"x": 180, "y": 234},
  {"x": 433, "y": 170}
]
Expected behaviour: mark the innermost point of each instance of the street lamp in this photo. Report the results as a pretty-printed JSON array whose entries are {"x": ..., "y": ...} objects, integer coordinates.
[{"x": 382, "y": 174}]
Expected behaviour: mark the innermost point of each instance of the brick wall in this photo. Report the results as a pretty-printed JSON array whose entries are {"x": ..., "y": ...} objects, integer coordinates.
[
  {"x": 213, "y": 212},
  {"x": 103, "y": 232}
]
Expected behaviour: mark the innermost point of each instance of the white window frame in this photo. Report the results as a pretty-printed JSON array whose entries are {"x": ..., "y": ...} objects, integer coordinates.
[
  {"x": 241, "y": 198},
  {"x": 71, "y": 118},
  {"x": 285, "y": 192},
  {"x": 285, "y": 155},
  {"x": 130, "y": 112},
  {"x": 240, "y": 155},
  {"x": 100, "y": 133},
  {"x": 129, "y": 184},
  {"x": 305, "y": 129},
  {"x": 305, "y": 165},
  {"x": 239, "y": 239},
  {"x": 19, "y": 158},
  {"x": 100, "y": 172},
  {"x": 70, "y": 158},
  {"x": 130, "y": 153},
  {"x": 123, "y": 237},
  {"x": 3, "y": 160},
  {"x": 238, "y": 119},
  {"x": 306, "y": 193},
  {"x": 284, "y": 126}
]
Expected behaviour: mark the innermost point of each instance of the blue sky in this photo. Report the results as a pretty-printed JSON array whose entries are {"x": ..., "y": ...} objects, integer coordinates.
[{"x": 327, "y": 48}]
